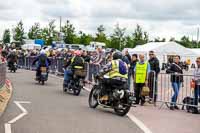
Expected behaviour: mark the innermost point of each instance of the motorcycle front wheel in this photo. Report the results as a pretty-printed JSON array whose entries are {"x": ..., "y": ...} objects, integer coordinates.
[{"x": 93, "y": 103}]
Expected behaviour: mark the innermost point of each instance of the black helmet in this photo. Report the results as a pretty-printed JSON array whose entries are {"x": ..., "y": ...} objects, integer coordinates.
[{"x": 117, "y": 55}]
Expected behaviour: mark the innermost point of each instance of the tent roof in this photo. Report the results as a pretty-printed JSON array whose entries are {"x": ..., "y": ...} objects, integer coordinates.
[
  {"x": 163, "y": 48},
  {"x": 195, "y": 50},
  {"x": 150, "y": 46}
]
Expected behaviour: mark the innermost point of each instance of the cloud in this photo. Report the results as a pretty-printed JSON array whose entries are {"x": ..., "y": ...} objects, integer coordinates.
[{"x": 159, "y": 17}]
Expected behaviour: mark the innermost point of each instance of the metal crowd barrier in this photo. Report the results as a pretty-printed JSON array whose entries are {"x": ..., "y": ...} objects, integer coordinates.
[
  {"x": 161, "y": 90},
  {"x": 53, "y": 66},
  {"x": 60, "y": 64},
  {"x": 2, "y": 74},
  {"x": 165, "y": 90},
  {"x": 56, "y": 67}
]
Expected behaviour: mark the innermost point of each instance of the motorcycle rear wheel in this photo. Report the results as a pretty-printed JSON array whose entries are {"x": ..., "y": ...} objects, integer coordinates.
[
  {"x": 122, "y": 112},
  {"x": 77, "y": 92}
]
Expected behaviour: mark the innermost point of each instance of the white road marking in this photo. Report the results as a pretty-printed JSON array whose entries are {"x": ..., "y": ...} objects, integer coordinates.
[
  {"x": 17, "y": 118},
  {"x": 7, "y": 128},
  {"x": 24, "y": 112},
  {"x": 139, "y": 123}
]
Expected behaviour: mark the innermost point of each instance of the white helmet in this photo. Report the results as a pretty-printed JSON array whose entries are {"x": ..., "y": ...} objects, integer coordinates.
[{"x": 42, "y": 52}]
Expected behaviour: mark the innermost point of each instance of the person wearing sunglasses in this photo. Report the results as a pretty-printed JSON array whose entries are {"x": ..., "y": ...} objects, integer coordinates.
[
  {"x": 153, "y": 76},
  {"x": 176, "y": 72},
  {"x": 196, "y": 79}
]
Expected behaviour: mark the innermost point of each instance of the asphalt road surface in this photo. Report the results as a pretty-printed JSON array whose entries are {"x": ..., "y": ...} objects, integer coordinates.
[{"x": 52, "y": 111}]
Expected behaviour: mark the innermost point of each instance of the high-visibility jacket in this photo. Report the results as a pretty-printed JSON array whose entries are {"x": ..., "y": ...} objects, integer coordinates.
[
  {"x": 77, "y": 66},
  {"x": 115, "y": 70},
  {"x": 141, "y": 72}
]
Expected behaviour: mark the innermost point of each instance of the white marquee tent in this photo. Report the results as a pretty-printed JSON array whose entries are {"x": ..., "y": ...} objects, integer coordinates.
[
  {"x": 163, "y": 49},
  {"x": 196, "y": 50}
]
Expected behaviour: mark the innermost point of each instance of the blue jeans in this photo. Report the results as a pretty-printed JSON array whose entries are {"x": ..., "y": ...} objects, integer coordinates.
[
  {"x": 176, "y": 88},
  {"x": 196, "y": 94},
  {"x": 93, "y": 70},
  {"x": 68, "y": 75}
]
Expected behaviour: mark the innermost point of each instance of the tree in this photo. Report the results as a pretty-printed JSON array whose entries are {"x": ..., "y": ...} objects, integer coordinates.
[
  {"x": 84, "y": 38},
  {"x": 18, "y": 32},
  {"x": 185, "y": 41},
  {"x": 129, "y": 42},
  {"x": 100, "y": 35},
  {"x": 172, "y": 39},
  {"x": 158, "y": 39},
  {"x": 35, "y": 32},
  {"x": 69, "y": 32},
  {"x": 137, "y": 38},
  {"x": 140, "y": 37},
  {"x": 117, "y": 39},
  {"x": 49, "y": 34},
  {"x": 6, "y": 36}
]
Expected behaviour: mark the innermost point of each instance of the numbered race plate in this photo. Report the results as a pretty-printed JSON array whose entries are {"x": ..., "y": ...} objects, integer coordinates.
[{"x": 43, "y": 69}]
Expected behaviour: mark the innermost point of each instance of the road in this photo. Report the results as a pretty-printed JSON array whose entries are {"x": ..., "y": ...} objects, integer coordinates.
[{"x": 52, "y": 111}]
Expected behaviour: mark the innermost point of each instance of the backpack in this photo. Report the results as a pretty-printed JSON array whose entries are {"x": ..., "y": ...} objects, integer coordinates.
[
  {"x": 188, "y": 101},
  {"x": 77, "y": 61},
  {"x": 122, "y": 68}
]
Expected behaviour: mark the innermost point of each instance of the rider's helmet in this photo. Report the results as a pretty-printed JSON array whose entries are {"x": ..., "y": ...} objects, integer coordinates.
[
  {"x": 117, "y": 55},
  {"x": 77, "y": 53},
  {"x": 42, "y": 52}
]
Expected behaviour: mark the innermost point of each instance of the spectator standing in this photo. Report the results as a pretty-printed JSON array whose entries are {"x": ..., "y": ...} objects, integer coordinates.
[
  {"x": 176, "y": 72},
  {"x": 128, "y": 55},
  {"x": 127, "y": 61},
  {"x": 133, "y": 63},
  {"x": 196, "y": 79},
  {"x": 97, "y": 61},
  {"x": 86, "y": 57},
  {"x": 141, "y": 78},
  {"x": 93, "y": 57},
  {"x": 153, "y": 76}
]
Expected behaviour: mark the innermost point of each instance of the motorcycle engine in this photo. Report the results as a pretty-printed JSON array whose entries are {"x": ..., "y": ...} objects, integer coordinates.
[{"x": 118, "y": 94}]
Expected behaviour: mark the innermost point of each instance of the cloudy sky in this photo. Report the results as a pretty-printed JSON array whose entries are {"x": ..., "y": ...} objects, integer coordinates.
[{"x": 163, "y": 18}]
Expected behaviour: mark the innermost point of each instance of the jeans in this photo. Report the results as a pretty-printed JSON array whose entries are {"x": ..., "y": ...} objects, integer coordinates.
[
  {"x": 176, "y": 88},
  {"x": 196, "y": 94},
  {"x": 93, "y": 70},
  {"x": 68, "y": 75}
]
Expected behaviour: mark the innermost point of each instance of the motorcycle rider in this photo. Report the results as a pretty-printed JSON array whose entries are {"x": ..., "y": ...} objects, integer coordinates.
[
  {"x": 12, "y": 58},
  {"x": 43, "y": 61},
  {"x": 76, "y": 62},
  {"x": 115, "y": 72}
]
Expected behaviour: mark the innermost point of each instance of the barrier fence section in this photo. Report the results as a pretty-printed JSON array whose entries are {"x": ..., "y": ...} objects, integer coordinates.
[
  {"x": 185, "y": 95},
  {"x": 2, "y": 74},
  {"x": 56, "y": 67},
  {"x": 161, "y": 89}
]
